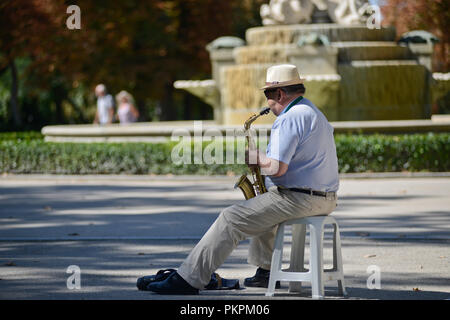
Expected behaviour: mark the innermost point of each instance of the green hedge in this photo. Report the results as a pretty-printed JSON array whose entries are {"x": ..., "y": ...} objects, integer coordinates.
[
  {"x": 356, "y": 153},
  {"x": 386, "y": 153},
  {"x": 26, "y": 135}
]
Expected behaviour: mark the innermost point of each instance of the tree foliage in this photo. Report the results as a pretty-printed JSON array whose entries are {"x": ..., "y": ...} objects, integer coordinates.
[
  {"x": 429, "y": 15},
  {"x": 141, "y": 46}
]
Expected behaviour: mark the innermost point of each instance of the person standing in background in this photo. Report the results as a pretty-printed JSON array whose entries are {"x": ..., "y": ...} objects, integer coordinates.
[
  {"x": 126, "y": 111},
  {"x": 105, "y": 106}
]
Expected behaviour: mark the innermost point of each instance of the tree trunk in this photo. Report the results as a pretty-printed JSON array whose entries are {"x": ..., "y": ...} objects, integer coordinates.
[
  {"x": 59, "y": 111},
  {"x": 187, "y": 107},
  {"x": 14, "y": 93},
  {"x": 168, "y": 111}
]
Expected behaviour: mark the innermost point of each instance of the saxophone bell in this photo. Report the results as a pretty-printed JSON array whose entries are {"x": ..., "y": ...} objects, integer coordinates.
[{"x": 248, "y": 188}]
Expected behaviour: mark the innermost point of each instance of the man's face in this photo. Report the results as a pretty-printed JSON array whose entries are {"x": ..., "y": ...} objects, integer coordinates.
[
  {"x": 99, "y": 93},
  {"x": 272, "y": 96}
]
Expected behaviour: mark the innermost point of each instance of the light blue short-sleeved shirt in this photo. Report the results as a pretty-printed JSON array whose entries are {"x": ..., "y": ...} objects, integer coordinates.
[{"x": 302, "y": 137}]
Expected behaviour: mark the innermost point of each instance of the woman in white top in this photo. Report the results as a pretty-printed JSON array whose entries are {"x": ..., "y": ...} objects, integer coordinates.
[{"x": 126, "y": 111}]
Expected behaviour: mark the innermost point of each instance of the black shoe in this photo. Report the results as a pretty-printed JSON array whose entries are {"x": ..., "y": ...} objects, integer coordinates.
[
  {"x": 161, "y": 275},
  {"x": 174, "y": 284},
  {"x": 260, "y": 279}
]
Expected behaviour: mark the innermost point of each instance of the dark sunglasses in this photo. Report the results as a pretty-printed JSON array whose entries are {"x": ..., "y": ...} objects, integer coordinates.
[{"x": 268, "y": 92}]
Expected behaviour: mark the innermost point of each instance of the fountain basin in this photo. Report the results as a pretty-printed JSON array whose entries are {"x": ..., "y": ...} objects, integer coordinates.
[{"x": 286, "y": 34}]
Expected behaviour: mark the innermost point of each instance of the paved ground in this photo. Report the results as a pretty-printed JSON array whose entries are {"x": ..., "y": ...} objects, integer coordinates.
[{"x": 118, "y": 228}]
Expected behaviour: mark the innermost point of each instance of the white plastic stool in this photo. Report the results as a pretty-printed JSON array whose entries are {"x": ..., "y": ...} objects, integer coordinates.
[{"x": 296, "y": 272}]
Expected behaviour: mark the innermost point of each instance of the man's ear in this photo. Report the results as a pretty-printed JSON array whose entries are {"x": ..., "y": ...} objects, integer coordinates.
[{"x": 279, "y": 94}]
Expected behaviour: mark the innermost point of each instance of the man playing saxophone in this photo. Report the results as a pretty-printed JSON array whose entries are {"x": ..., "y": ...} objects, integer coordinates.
[{"x": 301, "y": 177}]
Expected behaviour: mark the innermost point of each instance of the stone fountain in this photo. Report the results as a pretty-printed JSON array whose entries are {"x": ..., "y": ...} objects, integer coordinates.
[{"x": 354, "y": 69}]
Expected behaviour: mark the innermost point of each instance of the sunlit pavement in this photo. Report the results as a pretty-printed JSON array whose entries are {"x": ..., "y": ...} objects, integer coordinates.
[{"x": 118, "y": 228}]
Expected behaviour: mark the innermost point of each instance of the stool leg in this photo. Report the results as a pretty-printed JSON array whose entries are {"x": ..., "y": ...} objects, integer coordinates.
[
  {"x": 337, "y": 259},
  {"x": 277, "y": 258},
  {"x": 297, "y": 260},
  {"x": 316, "y": 260},
  {"x": 335, "y": 246}
]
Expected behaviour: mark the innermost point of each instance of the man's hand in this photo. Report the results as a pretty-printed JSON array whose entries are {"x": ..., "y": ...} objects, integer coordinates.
[
  {"x": 273, "y": 168},
  {"x": 269, "y": 166}
]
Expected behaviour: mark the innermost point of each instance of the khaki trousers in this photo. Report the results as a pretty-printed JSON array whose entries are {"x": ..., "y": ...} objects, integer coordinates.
[{"x": 257, "y": 218}]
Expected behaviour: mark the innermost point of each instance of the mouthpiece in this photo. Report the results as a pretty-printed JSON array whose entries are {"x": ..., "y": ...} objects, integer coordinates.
[{"x": 264, "y": 111}]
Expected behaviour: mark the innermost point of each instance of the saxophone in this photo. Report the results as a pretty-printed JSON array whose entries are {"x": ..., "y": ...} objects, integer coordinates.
[{"x": 250, "y": 189}]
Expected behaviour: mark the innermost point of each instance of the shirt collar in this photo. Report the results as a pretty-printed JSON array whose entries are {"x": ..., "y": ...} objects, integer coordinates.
[{"x": 291, "y": 104}]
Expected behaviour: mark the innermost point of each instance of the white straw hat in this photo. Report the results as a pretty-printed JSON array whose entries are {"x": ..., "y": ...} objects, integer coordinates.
[{"x": 282, "y": 75}]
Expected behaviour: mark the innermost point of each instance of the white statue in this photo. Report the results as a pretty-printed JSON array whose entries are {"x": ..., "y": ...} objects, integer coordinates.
[
  {"x": 345, "y": 12},
  {"x": 348, "y": 12},
  {"x": 286, "y": 12}
]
